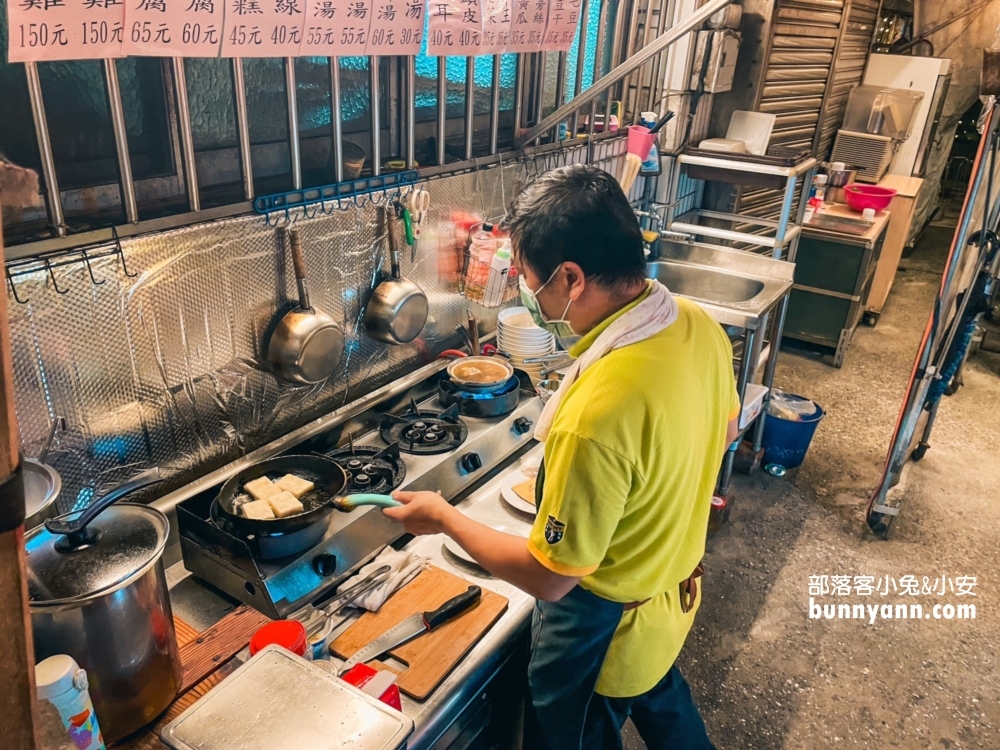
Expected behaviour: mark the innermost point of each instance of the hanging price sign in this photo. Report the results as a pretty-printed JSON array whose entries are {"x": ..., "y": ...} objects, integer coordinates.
[
  {"x": 456, "y": 27},
  {"x": 397, "y": 27},
  {"x": 263, "y": 28},
  {"x": 338, "y": 27},
  {"x": 564, "y": 15},
  {"x": 173, "y": 28},
  {"x": 496, "y": 26},
  {"x": 527, "y": 25},
  {"x": 44, "y": 30}
]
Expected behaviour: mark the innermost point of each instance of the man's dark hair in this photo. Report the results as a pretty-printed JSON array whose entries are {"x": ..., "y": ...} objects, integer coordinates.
[{"x": 580, "y": 214}]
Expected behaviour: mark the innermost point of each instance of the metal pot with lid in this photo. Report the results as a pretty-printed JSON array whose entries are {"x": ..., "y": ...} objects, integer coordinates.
[{"x": 97, "y": 592}]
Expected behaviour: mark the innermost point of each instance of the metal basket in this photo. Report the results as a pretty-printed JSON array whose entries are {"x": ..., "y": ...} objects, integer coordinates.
[{"x": 476, "y": 285}]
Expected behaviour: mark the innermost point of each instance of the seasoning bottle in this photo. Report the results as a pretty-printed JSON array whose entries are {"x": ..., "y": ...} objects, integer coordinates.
[
  {"x": 499, "y": 271},
  {"x": 60, "y": 681},
  {"x": 821, "y": 181}
]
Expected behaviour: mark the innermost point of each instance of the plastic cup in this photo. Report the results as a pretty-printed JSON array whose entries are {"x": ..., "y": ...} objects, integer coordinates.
[{"x": 640, "y": 140}]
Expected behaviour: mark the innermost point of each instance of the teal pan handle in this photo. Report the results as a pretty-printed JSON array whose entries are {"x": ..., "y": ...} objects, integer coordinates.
[{"x": 379, "y": 501}]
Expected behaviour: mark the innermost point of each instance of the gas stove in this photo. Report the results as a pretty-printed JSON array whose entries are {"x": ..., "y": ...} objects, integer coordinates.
[
  {"x": 391, "y": 444},
  {"x": 424, "y": 432},
  {"x": 370, "y": 468}
]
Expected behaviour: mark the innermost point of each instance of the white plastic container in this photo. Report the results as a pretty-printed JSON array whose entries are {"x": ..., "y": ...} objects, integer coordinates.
[
  {"x": 60, "y": 681},
  {"x": 499, "y": 270}
]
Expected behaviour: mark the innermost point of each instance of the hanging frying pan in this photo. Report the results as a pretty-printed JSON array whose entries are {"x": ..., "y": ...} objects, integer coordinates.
[
  {"x": 307, "y": 344},
  {"x": 397, "y": 310}
]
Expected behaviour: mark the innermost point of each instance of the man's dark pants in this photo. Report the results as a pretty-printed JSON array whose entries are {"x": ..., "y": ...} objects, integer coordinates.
[{"x": 570, "y": 639}]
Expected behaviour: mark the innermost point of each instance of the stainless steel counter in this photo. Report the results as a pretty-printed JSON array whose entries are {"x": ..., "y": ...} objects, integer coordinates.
[{"x": 201, "y": 607}]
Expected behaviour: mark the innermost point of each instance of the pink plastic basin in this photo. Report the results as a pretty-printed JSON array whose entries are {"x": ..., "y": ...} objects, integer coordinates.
[{"x": 859, "y": 197}]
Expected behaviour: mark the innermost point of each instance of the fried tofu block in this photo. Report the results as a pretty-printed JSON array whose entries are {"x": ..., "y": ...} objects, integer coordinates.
[
  {"x": 261, "y": 488},
  {"x": 284, "y": 504},
  {"x": 295, "y": 485},
  {"x": 259, "y": 510}
]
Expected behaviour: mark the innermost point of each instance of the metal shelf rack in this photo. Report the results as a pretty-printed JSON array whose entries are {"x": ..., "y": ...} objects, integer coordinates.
[{"x": 781, "y": 236}]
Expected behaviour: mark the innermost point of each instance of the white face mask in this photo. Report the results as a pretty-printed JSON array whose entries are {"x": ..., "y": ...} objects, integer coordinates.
[{"x": 561, "y": 327}]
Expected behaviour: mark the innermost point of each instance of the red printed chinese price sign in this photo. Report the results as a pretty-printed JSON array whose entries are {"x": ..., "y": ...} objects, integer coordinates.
[
  {"x": 456, "y": 27},
  {"x": 337, "y": 28},
  {"x": 40, "y": 30},
  {"x": 397, "y": 27},
  {"x": 263, "y": 28},
  {"x": 173, "y": 28},
  {"x": 563, "y": 18},
  {"x": 527, "y": 25},
  {"x": 496, "y": 26}
]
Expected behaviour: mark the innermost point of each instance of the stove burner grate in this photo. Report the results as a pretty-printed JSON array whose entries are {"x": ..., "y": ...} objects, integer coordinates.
[
  {"x": 424, "y": 432},
  {"x": 370, "y": 469}
]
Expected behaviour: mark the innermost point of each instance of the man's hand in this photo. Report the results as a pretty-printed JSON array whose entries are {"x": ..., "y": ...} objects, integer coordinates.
[
  {"x": 504, "y": 555},
  {"x": 422, "y": 512}
]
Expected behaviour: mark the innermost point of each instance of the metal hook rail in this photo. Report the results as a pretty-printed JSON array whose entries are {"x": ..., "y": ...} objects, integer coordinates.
[
  {"x": 327, "y": 198},
  {"x": 48, "y": 262}
]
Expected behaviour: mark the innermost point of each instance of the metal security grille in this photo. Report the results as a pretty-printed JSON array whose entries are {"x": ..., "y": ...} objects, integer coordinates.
[{"x": 816, "y": 53}]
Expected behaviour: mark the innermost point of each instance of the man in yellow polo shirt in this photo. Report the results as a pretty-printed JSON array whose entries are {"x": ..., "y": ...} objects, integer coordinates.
[{"x": 633, "y": 443}]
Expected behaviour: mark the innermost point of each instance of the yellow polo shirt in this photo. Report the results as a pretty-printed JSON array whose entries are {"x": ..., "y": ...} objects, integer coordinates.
[{"x": 631, "y": 463}]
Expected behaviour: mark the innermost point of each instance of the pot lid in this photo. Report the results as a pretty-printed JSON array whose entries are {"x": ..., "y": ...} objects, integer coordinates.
[{"x": 129, "y": 538}]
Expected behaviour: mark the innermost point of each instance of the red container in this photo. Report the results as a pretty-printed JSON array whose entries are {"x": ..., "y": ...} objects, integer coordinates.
[
  {"x": 288, "y": 634},
  {"x": 859, "y": 197}
]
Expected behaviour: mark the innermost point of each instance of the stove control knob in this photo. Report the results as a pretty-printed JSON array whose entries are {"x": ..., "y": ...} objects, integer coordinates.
[
  {"x": 472, "y": 462},
  {"x": 325, "y": 564},
  {"x": 522, "y": 425}
]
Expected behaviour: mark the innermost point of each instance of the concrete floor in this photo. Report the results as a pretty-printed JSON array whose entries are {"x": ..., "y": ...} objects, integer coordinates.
[{"x": 766, "y": 676}]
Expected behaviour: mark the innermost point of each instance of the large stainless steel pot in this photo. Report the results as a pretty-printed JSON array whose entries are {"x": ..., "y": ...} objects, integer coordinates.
[{"x": 97, "y": 592}]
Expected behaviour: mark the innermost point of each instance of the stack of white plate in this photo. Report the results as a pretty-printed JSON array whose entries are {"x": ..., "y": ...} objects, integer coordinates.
[{"x": 518, "y": 335}]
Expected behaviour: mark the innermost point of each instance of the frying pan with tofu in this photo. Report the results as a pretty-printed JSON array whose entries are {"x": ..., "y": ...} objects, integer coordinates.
[{"x": 298, "y": 490}]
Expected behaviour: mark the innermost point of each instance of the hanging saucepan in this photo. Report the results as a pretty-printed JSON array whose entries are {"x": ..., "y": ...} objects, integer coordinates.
[
  {"x": 97, "y": 591},
  {"x": 307, "y": 344},
  {"x": 42, "y": 484},
  {"x": 481, "y": 374},
  {"x": 397, "y": 310}
]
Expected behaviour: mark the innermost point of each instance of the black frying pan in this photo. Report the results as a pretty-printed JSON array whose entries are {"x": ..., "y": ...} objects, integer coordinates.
[{"x": 329, "y": 478}]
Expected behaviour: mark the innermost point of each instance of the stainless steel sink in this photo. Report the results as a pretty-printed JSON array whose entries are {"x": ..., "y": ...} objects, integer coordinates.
[
  {"x": 708, "y": 284},
  {"x": 736, "y": 287}
]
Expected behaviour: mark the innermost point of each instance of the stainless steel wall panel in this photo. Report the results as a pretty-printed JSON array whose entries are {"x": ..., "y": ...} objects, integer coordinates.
[{"x": 165, "y": 369}]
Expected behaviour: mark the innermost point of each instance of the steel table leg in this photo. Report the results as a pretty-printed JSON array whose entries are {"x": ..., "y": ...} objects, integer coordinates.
[{"x": 769, "y": 369}]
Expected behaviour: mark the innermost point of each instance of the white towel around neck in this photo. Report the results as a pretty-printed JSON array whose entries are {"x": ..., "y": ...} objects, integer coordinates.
[{"x": 656, "y": 312}]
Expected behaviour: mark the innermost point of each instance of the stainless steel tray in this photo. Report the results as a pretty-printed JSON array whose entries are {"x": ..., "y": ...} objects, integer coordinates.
[{"x": 278, "y": 700}]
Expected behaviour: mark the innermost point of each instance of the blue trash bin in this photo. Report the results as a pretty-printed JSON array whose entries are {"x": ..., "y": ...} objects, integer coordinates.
[{"x": 786, "y": 441}]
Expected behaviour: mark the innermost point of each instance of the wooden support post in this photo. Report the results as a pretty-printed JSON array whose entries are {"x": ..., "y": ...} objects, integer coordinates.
[{"x": 17, "y": 653}]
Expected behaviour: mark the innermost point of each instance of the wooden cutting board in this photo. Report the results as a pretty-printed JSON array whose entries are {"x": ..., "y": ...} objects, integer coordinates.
[{"x": 429, "y": 657}]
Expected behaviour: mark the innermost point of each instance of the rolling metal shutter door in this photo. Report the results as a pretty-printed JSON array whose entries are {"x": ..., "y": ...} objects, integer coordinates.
[
  {"x": 810, "y": 47},
  {"x": 849, "y": 69}
]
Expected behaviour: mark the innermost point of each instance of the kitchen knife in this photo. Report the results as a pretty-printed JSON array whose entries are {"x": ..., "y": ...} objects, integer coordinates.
[{"x": 413, "y": 626}]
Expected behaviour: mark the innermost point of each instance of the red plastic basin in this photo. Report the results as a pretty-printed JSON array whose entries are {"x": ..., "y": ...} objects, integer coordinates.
[{"x": 859, "y": 197}]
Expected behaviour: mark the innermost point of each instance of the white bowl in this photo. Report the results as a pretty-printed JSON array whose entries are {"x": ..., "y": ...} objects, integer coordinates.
[
  {"x": 519, "y": 355},
  {"x": 520, "y": 334},
  {"x": 516, "y": 317},
  {"x": 526, "y": 342}
]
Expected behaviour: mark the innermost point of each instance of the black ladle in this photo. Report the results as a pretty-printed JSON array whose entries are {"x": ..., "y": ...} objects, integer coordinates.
[{"x": 77, "y": 536}]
